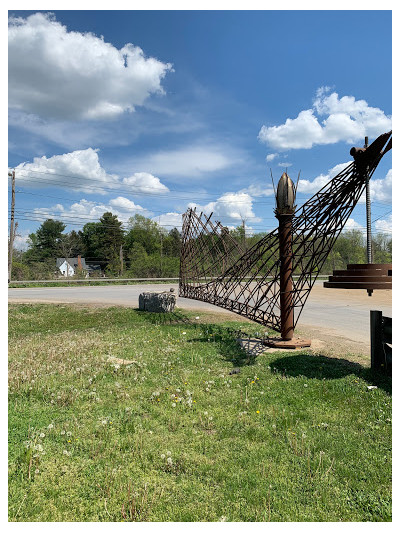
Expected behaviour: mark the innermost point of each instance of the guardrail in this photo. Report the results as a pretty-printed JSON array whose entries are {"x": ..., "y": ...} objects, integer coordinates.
[
  {"x": 381, "y": 340},
  {"x": 89, "y": 280},
  {"x": 101, "y": 280}
]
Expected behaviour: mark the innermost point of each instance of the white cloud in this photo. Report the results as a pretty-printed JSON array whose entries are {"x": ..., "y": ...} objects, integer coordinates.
[
  {"x": 145, "y": 182},
  {"x": 230, "y": 207},
  {"x": 87, "y": 211},
  {"x": 312, "y": 186},
  {"x": 384, "y": 225},
  {"x": 56, "y": 73},
  {"x": 169, "y": 220},
  {"x": 381, "y": 190},
  {"x": 81, "y": 171},
  {"x": 76, "y": 170},
  {"x": 346, "y": 119},
  {"x": 124, "y": 204},
  {"x": 270, "y": 157},
  {"x": 300, "y": 132},
  {"x": 284, "y": 165},
  {"x": 351, "y": 224},
  {"x": 21, "y": 241},
  {"x": 193, "y": 161}
]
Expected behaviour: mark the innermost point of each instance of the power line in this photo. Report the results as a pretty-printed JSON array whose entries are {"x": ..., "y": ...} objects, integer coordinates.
[
  {"x": 76, "y": 222},
  {"x": 141, "y": 192}
]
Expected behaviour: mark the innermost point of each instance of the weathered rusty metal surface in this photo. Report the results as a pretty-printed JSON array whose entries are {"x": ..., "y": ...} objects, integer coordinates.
[
  {"x": 290, "y": 344},
  {"x": 362, "y": 276},
  {"x": 215, "y": 269}
]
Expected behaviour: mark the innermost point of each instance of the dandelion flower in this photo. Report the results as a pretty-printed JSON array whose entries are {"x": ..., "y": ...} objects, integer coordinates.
[
  {"x": 163, "y": 456},
  {"x": 258, "y": 412},
  {"x": 169, "y": 454},
  {"x": 169, "y": 461}
]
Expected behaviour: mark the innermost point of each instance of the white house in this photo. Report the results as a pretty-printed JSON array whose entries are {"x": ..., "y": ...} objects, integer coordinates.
[{"x": 65, "y": 268}]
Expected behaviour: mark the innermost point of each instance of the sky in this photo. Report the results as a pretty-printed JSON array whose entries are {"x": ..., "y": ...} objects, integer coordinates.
[{"x": 152, "y": 112}]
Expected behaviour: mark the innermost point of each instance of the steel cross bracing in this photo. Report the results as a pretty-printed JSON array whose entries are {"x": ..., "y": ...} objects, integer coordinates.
[{"x": 214, "y": 268}]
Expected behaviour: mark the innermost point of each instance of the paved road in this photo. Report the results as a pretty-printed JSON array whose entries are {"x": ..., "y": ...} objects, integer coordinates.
[{"x": 340, "y": 312}]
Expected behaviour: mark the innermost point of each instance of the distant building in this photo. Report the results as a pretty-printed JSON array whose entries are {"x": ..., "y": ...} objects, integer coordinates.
[{"x": 69, "y": 266}]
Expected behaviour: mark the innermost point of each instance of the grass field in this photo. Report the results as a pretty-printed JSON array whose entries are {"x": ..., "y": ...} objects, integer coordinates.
[{"x": 120, "y": 415}]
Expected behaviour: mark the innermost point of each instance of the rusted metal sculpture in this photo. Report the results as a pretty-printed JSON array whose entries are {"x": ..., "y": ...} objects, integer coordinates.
[
  {"x": 215, "y": 269},
  {"x": 362, "y": 276}
]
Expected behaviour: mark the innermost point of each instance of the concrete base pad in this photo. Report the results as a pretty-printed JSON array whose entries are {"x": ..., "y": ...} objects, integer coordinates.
[{"x": 293, "y": 344}]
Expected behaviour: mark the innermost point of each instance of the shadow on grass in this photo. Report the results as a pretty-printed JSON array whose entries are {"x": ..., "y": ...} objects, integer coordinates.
[
  {"x": 226, "y": 339},
  {"x": 321, "y": 367},
  {"x": 164, "y": 319}
]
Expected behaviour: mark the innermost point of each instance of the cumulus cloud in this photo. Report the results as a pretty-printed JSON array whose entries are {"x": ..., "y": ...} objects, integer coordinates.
[
  {"x": 270, "y": 157},
  {"x": 381, "y": 189},
  {"x": 312, "y": 186},
  {"x": 87, "y": 211},
  {"x": 145, "y": 182},
  {"x": 76, "y": 170},
  {"x": 230, "y": 207},
  {"x": 56, "y": 73},
  {"x": 81, "y": 170},
  {"x": 284, "y": 165},
  {"x": 331, "y": 119}
]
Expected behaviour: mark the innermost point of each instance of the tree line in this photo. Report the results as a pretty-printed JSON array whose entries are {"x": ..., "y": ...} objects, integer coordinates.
[{"x": 145, "y": 249}]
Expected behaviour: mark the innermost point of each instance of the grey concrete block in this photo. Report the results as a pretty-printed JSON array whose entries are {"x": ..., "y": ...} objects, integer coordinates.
[{"x": 157, "y": 302}]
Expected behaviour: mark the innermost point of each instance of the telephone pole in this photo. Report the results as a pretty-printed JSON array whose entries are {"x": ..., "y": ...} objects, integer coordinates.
[
  {"x": 12, "y": 225},
  {"x": 121, "y": 259}
]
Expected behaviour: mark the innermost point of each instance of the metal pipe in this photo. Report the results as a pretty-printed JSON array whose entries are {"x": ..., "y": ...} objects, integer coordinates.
[
  {"x": 286, "y": 271},
  {"x": 368, "y": 209}
]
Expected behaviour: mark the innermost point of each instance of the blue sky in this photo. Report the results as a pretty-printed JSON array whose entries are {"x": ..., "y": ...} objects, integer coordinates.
[{"x": 150, "y": 112}]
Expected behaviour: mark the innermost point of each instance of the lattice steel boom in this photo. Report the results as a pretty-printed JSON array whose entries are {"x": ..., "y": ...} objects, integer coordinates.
[{"x": 215, "y": 269}]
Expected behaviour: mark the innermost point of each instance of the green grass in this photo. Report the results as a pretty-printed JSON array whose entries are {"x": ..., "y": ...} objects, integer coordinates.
[{"x": 172, "y": 436}]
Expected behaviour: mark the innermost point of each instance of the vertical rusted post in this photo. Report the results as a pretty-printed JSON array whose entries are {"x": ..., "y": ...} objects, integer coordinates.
[
  {"x": 285, "y": 208},
  {"x": 286, "y": 280}
]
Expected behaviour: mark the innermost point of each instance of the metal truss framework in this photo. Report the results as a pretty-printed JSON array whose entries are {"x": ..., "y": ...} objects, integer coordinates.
[{"x": 216, "y": 269}]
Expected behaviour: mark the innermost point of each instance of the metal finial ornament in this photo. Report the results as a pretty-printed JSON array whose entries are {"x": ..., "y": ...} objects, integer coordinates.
[{"x": 215, "y": 269}]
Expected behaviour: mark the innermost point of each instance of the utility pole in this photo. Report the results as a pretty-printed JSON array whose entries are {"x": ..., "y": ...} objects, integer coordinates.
[
  {"x": 368, "y": 209},
  {"x": 161, "y": 248},
  {"x": 121, "y": 258},
  {"x": 12, "y": 225}
]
